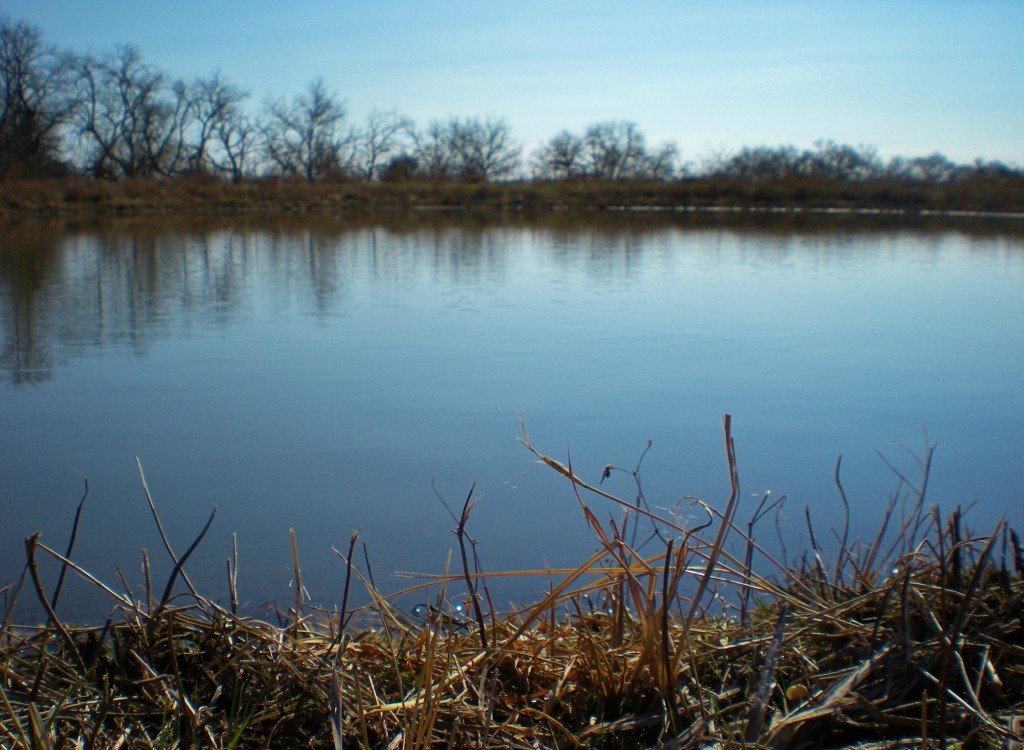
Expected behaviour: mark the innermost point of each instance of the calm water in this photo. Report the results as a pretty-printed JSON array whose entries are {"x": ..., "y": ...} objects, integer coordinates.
[{"x": 331, "y": 378}]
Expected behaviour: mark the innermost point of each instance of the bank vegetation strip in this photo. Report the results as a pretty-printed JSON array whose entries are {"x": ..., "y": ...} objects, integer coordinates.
[
  {"x": 82, "y": 197},
  {"x": 913, "y": 638}
]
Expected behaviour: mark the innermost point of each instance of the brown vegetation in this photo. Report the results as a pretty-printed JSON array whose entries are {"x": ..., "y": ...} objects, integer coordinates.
[
  {"x": 75, "y": 196},
  {"x": 912, "y": 639}
]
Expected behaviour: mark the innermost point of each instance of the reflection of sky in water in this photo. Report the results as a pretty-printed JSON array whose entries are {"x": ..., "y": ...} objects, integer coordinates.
[{"x": 325, "y": 381}]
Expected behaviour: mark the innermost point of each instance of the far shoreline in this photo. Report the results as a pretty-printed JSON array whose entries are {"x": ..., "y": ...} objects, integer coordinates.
[{"x": 86, "y": 197}]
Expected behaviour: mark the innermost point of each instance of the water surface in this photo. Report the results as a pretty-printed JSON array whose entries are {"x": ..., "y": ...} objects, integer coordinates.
[{"x": 327, "y": 377}]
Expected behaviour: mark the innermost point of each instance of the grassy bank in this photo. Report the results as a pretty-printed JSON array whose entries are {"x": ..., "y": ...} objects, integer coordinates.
[
  {"x": 911, "y": 639},
  {"x": 79, "y": 196}
]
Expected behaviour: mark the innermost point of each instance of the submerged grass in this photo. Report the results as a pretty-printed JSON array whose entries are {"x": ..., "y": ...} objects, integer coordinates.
[{"x": 912, "y": 639}]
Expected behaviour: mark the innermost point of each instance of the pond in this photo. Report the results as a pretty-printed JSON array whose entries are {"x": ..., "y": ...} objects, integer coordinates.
[{"x": 329, "y": 375}]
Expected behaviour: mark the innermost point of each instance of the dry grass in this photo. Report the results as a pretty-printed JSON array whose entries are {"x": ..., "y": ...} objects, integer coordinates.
[
  {"x": 209, "y": 195},
  {"x": 911, "y": 639}
]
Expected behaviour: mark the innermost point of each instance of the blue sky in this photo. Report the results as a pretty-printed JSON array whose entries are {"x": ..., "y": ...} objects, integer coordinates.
[{"x": 908, "y": 77}]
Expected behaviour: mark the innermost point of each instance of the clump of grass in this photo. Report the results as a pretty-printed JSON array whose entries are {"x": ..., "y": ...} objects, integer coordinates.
[{"x": 911, "y": 639}]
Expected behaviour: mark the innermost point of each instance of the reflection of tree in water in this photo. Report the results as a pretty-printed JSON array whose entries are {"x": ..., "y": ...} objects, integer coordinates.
[
  {"x": 67, "y": 291},
  {"x": 26, "y": 260}
]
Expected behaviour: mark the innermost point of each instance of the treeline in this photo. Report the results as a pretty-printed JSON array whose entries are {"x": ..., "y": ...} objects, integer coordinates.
[{"x": 115, "y": 116}]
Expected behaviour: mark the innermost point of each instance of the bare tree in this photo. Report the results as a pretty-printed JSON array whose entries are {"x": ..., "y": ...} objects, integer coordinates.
[
  {"x": 829, "y": 160},
  {"x": 468, "y": 149},
  {"x": 483, "y": 149},
  {"x": 932, "y": 168},
  {"x": 217, "y": 142},
  {"x": 842, "y": 162},
  {"x": 661, "y": 165},
  {"x": 237, "y": 141},
  {"x": 614, "y": 150},
  {"x": 35, "y": 103},
  {"x": 432, "y": 151},
  {"x": 132, "y": 118},
  {"x": 304, "y": 138},
  {"x": 762, "y": 163},
  {"x": 381, "y": 139},
  {"x": 561, "y": 158}
]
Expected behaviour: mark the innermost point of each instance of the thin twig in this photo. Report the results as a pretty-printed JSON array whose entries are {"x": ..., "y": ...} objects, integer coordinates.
[
  {"x": 179, "y": 565},
  {"x": 460, "y": 533},
  {"x": 71, "y": 542},
  {"x": 723, "y": 529},
  {"x": 160, "y": 528}
]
